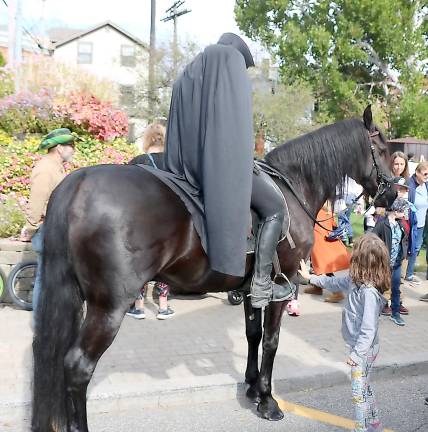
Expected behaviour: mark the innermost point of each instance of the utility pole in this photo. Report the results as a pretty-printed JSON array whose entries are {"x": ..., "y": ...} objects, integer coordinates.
[
  {"x": 152, "y": 55},
  {"x": 15, "y": 38},
  {"x": 173, "y": 14}
]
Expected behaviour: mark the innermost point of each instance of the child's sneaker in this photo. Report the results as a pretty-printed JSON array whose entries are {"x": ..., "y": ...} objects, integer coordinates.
[
  {"x": 293, "y": 308},
  {"x": 136, "y": 313},
  {"x": 164, "y": 314},
  {"x": 413, "y": 280},
  {"x": 396, "y": 318}
]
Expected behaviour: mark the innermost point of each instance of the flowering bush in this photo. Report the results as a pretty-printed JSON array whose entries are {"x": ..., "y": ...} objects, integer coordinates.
[
  {"x": 39, "y": 113},
  {"x": 28, "y": 113},
  {"x": 17, "y": 158},
  {"x": 86, "y": 113}
]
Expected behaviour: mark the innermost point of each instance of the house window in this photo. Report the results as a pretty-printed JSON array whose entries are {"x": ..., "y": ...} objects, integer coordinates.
[
  {"x": 127, "y": 95},
  {"x": 84, "y": 53},
  {"x": 127, "y": 55}
]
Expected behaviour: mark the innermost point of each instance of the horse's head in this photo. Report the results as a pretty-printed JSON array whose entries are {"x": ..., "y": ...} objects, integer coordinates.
[{"x": 376, "y": 177}]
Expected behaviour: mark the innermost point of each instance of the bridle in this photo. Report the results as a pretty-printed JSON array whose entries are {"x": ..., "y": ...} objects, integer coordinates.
[{"x": 383, "y": 181}]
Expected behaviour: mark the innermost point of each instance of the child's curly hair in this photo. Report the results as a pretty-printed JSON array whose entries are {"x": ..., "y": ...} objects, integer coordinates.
[
  {"x": 154, "y": 135},
  {"x": 370, "y": 263}
]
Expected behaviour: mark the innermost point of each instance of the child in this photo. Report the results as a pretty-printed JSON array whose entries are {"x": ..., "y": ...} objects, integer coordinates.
[
  {"x": 153, "y": 146},
  {"x": 368, "y": 278},
  {"x": 392, "y": 233}
]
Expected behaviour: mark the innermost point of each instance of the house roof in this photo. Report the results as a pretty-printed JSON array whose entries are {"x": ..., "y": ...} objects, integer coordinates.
[
  {"x": 409, "y": 140},
  {"x": 80, "y": 34}
]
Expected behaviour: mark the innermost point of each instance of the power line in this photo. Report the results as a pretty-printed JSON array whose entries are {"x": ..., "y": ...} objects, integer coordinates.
[{"x": 37, "y": 42}]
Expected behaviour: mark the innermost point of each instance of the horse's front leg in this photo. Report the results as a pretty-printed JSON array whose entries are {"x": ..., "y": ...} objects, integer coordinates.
[
  {"x": 268, "y": 407},
  {"x": 253, "y": 330}
]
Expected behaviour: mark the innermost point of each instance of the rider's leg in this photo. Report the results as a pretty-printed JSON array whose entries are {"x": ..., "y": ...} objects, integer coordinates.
[{"x": 267, "y": 201}]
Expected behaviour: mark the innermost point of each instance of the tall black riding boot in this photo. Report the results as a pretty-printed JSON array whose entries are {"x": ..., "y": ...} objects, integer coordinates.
[{"x": 263, "y": 289}]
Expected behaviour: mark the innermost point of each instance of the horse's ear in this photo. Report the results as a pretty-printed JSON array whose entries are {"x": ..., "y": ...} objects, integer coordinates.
[{"x": 368, "y": 118}]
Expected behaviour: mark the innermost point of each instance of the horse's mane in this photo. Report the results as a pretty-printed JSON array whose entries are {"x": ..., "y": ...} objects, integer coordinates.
[{"x": 322, "y": 157}]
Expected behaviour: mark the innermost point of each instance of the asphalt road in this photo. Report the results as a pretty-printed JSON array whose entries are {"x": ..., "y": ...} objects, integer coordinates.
[{"x": 401, "y": 402}]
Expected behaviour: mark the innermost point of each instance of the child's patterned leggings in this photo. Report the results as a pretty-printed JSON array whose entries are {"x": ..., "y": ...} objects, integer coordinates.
[
  {"x": 163, "y": 290},
  {"x": 366, "y": 412}
]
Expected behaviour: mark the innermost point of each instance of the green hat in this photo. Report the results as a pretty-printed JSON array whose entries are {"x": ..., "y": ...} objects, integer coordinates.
[{"x": 61, "y": 136}]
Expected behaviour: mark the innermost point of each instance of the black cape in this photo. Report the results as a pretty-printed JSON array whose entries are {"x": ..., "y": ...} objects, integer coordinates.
[{"x": 209, "y": 143}]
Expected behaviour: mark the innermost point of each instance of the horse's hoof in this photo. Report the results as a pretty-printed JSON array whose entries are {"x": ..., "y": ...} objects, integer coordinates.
[
  {"x": 253, "y": 395},
  {"x": 270, "y": 411}
]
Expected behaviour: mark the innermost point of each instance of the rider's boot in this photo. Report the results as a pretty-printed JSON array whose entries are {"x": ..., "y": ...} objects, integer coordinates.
[{"x": 263, "y": 289}]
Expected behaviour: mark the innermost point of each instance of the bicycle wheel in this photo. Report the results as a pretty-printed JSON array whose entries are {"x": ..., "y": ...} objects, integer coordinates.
[
  {"x": 2, "y": 284},
  {"x": 20, "y": 283}
]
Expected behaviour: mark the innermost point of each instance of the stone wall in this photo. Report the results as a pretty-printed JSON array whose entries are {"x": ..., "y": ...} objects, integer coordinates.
[{"x": 11, "y": 253}]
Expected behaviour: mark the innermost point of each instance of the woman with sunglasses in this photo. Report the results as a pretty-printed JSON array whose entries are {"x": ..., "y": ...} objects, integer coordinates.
[{"x": 418, "y": 195}]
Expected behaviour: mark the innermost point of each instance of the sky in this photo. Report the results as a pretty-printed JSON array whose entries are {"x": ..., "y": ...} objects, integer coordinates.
[{"x": 207, "y": 20}]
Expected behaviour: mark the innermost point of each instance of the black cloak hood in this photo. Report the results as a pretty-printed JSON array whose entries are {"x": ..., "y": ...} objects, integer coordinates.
[{"x": 239, "y": 44}]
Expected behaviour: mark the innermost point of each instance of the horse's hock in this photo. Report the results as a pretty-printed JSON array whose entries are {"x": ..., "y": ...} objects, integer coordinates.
[{"x": 11, "y": 253}]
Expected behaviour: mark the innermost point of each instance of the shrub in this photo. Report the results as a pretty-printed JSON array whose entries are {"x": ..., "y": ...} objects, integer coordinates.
[
  {"x": 28, "y": 113},
  {"x": 17, "y": 158},
  {"x": 12, "y": 218},
  {"x": 38, "y": 113},
  {"x": 6, "y": 82},
  {"x": 85, "y": 113}
]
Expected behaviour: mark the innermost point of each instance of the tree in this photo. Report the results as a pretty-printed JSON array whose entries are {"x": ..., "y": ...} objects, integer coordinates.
[
  {"x": 282, "y": 113},
  {"x": 349, "y": 51},
  {"x": 164, "y": 78},
  {"x": 2, "y": 60}
]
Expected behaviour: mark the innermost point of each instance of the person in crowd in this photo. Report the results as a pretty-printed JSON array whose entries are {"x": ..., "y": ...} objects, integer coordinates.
[
  {"x": 424, "y": 298},
  {"x": 402, "y": 192},
  {"x": 327, "y": 257},
  {"x": 371, "y": 216},
  {"x": 418, "y": 196},
  {"x": 392, "y": 232},
  {"x": 368, "y": 278},
  {"x": 412, "y": 163},
  {"x": 45, "y": 177},
  {"x": 164, "y": 312},
  {"x": 399, "y": 165},
  {"x": 400, "y": 168},
  {"x": 153, "y": 146}
]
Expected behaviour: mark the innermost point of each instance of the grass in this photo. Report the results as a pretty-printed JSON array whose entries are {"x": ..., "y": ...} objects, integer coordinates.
[{"x": 357, "y": 226}]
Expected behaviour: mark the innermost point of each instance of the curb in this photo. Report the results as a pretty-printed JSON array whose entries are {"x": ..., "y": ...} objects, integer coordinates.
[{"x": 162, "y": 398}]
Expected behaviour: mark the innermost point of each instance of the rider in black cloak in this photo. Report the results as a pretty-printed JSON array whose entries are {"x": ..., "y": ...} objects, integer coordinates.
[{"x": 210, "y": 144}]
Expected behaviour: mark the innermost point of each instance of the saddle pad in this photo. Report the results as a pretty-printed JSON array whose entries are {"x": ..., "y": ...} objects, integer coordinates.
[{"x": 193, "y": 202}]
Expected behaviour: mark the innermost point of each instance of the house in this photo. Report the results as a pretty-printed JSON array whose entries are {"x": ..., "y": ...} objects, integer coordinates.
[
  {"x": 418, "y": 147},
  {"x": 110, "y": 52}
]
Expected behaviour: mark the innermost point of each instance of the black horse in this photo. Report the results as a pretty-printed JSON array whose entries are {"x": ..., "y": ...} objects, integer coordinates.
[{"x": 110, "y": 229}]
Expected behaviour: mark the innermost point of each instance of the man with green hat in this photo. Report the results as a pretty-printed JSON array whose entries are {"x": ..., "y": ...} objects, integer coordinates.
[{"x": 45, "y": 177}]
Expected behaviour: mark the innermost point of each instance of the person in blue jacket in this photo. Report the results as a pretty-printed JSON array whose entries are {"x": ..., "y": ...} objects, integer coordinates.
[{"x": 418, "y": 195}]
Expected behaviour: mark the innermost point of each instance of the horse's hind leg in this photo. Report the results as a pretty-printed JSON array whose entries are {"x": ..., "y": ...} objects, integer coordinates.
[
  {"x": 268, "y": 407},
  {"x": 253, "y": 329},
  {"x": 96, "y": 334}
]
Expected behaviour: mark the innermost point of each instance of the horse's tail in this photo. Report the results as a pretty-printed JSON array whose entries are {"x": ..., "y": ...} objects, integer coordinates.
[{"x": 58, "y": 315}]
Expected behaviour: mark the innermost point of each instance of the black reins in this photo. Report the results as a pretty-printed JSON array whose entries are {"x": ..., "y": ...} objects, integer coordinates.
[{"x": 383, "y": 181}]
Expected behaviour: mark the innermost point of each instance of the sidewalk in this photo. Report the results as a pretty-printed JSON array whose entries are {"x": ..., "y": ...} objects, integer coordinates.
[{"x": 200, "y": 354}]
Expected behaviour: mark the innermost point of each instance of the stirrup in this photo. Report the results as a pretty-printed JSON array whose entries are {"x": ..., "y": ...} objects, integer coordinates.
[{"x": 286, "y": 291}]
